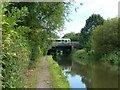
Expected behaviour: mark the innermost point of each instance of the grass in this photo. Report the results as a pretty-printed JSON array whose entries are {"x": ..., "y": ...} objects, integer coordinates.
[
  {"x": 57, "y": 77},
  {"x": 32, "y": 74}
]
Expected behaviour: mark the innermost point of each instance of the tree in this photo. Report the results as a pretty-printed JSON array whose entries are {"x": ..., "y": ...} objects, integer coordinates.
[
  {"x": 73, "y": 36},
  {"x": 42, "y": 17},
  {"x": 93, "y": 21},
  {"x": 26, "y": 28},
  {"x": 48, "y": 16},
  {"x": 105, "y": 38}
]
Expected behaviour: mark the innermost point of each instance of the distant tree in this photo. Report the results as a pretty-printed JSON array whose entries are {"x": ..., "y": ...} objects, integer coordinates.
[
  {"x": 73, "y": 36},
  {"x": 93, "y": 21}
]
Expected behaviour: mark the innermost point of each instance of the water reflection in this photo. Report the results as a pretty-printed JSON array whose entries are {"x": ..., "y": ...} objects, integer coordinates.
[{"x": 88, "y": 75}]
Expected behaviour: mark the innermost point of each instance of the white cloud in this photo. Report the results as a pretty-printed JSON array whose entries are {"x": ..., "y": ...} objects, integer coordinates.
[
  {"x": 107, "y": 8},
  {"x": 82, "y": 1}
]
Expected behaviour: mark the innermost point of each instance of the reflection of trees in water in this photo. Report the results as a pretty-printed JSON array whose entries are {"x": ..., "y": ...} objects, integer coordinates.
[
  {"x": 84, "y": 71},
  {"x": 63, "y": 60},
  {"x": 96, "y": 76},
  {"x": 103, "y": 77}
]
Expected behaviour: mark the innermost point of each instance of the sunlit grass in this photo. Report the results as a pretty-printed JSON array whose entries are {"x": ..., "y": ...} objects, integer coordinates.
[{"x": 57, "y": 77}]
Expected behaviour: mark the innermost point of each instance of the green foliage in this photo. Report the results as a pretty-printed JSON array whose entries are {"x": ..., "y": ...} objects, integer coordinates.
[
  {"x": 92, "y": 22},
  {"x": 111, "y": 58},
  {"x": 80, "y": 53},
  {"x": 85, "y": 55},
  {"x": 105, "y": 37},
  {"x": 15, "y": 48},
  {"x": 48, "y": 16},
  {"x": 43, "y": 19},
  {"x": 26, "y": 28},
  {"x": 73, "y": 36},
  {"x": 104, "y": 43}
]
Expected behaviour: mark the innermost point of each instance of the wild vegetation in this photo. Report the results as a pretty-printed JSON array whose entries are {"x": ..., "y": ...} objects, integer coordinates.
[
  {"x": 102, "y": 41},
  {"x": 26, "y": 28}
]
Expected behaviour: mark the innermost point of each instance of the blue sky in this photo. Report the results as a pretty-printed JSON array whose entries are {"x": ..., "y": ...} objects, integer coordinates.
[{"x": 106, "y": 8}]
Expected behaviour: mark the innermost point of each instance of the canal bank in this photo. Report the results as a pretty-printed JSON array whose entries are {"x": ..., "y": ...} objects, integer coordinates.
[{"x": 56, "y": 76}]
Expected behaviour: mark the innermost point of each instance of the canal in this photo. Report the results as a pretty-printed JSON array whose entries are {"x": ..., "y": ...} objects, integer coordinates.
[{"x": 88, "y": 74}]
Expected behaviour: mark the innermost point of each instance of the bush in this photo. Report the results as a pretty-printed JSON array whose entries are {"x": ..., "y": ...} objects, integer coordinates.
[
  {"x": 15, "y": 48},
  {"x": 111, "y": 58},
  {"x": 80, "y": 53}
]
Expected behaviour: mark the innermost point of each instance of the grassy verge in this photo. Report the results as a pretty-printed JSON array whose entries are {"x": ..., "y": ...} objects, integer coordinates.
[
  {"x": 57, "y": 77},
  {"x": 32, "y": 74}
]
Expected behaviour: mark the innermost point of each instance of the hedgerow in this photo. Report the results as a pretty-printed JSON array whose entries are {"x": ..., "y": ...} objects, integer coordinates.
[
  {"x": 26, "y": 28},
  {"x": 15, "y": 48}
]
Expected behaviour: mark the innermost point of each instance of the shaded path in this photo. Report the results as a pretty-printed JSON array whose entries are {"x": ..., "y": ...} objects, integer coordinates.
[{"x": 44, "y": 77}]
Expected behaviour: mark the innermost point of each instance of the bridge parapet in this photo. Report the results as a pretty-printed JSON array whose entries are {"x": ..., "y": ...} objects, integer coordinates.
[
  {"x": 64, "y": 42},
  {"x": 60, "y": 44},
  {"x": 64, "y": 45}
]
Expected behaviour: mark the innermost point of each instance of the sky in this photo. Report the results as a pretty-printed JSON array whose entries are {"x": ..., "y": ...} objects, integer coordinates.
[{"x": 106, "y": 8}]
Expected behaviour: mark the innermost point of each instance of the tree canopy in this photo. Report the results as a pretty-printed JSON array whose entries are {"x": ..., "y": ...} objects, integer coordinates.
[
  {"x": 73, "y": 36},
  {"x": 49, "y": 16},
  {"x": 105, "y": 37},
  {"x": 93, "y": 21}
]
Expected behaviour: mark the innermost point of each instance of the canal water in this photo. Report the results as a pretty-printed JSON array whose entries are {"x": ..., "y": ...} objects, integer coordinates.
[{"x": 88, "y": 74}]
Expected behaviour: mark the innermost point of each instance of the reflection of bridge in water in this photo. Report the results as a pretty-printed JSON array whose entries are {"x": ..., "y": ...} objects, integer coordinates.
[{"x": 62, "y": 45}]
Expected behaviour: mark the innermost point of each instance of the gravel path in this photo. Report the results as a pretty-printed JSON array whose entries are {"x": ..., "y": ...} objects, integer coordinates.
[{"x": 44, "y": 77}]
